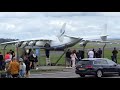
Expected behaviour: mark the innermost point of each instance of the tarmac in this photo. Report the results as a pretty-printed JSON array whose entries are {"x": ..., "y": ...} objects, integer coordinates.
[
  {"x": 51, "y": 68},
  {"x": 60, "y": 72},
  {"x": 54, "y": 72}
]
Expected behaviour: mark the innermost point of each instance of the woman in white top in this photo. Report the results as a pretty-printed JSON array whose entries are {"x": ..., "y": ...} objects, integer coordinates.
[
  {"x": 73, "y": 58},
  {"x": 91, "y": 54}
]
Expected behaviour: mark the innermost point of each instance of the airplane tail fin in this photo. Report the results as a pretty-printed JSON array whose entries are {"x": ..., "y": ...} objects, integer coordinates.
[
  {"x": 62, "y": 32},
  {"x": 104, "y": 34}
]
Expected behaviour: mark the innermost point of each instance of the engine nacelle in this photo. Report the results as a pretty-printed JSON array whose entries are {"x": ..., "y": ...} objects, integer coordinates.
[
  {"x": 18, "y": 44},
  {"x": 24, "y": 44},
  {"x": 31, "y": 43},
  {"x": 84, "y": 43},
  {"x": 40, "y": 43},
  {"x": 104, "y": 38}
]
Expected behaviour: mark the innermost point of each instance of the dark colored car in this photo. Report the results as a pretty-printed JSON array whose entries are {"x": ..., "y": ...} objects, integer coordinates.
[{"x": 97, "y": 67}]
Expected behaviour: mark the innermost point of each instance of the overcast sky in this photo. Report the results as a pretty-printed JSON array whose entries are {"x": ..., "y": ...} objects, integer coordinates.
[{"x": 25, "y": 25}]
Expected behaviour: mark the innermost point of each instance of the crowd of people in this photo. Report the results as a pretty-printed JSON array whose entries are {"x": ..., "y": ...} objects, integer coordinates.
[
  {"x": 18, "y": 67},
  {"x": 95, "y": 54},
  {"x": 72, "y": 57},
  {"x": 21, "y": 67}
]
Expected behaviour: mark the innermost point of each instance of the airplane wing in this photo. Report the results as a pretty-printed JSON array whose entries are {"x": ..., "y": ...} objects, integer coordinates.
[
  {"x": 11, "y": 42},
  {"x": 42, "y": 40},
  {"x": 27, "y": 41},
  {"x": 101, "y": 39},
  {"x": 91, "y": 38}
]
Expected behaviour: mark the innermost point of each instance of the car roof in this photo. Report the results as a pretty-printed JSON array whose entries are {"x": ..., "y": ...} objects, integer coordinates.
[{"x": 93, "y": 59}]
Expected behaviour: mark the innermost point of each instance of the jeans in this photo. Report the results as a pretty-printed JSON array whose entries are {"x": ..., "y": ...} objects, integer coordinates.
[
  {"x": 114, "y": 58},
  {"x": 22, "y": 73}
]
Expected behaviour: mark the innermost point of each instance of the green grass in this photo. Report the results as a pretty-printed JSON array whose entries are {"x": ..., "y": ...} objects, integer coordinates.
[{"x": 53, "y": 59}]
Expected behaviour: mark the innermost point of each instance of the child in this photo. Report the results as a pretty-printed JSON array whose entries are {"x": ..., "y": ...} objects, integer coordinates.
[{"x": 22, "y": 68}]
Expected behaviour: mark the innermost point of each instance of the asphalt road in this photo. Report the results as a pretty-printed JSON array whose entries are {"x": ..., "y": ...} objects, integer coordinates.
[{"x": 67, "y": 73}]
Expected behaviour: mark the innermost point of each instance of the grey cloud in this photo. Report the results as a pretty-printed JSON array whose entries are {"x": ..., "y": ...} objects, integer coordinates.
[
  {"x": 70, "y": 14},
  {"x": 40, "y": 24},
  {"x": 54, "y": 14}
]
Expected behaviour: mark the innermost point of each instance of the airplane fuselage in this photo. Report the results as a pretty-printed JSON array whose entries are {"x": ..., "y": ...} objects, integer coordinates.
[{"x": 56, "y": 44}]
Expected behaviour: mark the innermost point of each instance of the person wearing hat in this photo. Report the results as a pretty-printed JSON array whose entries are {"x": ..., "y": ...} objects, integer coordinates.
[{"x": 22, "y": 68}]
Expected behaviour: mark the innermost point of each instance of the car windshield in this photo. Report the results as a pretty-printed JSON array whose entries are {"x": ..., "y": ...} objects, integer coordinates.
[
  {"x": 100, "y": 62},
  {"x": 85, "y": 62},
  {"x": 110, "y": 62}
]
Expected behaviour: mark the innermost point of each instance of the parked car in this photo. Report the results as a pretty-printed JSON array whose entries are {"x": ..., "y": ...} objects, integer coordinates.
[{"x": 97, "y": 66}]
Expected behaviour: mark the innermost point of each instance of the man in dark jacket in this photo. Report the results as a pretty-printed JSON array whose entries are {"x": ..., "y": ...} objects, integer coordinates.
[
  {"x": 115, "y": 52},
  {"x": 82, "y": 54},
  {"x": 47, "y": 49},
  {"x": 47, "y": 52},
  {"x": 94, "y": 53},
  {"x": 79, "y": 55},
  {"x": 68, "y": 58},
  {"x": 99, "y": 52}
]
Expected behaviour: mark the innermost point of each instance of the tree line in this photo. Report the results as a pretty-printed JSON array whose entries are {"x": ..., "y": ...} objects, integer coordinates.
[{"x": 2, "y": 40}]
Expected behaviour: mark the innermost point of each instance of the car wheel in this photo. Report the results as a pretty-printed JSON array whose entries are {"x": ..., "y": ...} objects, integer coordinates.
[
  {"x": 82, "y": 75},
  {"x": 99, "y": 74}
]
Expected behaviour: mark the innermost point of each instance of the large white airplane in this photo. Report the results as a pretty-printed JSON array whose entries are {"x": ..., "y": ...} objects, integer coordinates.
[{"x": 61, "y": 42}]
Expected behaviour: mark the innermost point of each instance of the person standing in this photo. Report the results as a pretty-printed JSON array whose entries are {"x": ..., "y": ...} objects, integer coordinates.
[
  {"x": 73, "y": 58},
  {"x": 47, "y": 53},
  {"x": 82, "y": 54},
  {"x": 68, "y": 58},
  {"x": 115, "y": 52},
  {"x": 7, "y": 57},
  {"x": 91, "y": 54},
  {"x": 94, "y": 53},
  {"x": 35, "y": 61},
  {"x": 28, "y": 65},
  {"x": 47, "y": 49},
  {"x": 12, "y": 53},
  {"x": 79, "y": 54},
  {"x": 31, "y": 59},
  {"x": 22, "y": 68},
  {"x": 99, "y": 53}
]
